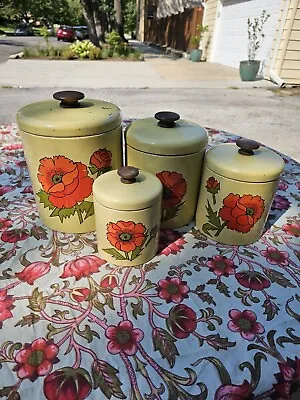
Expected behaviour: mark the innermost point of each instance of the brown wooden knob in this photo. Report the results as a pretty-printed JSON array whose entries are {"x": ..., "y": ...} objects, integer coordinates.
[
  {"x": 128, "y": 174},
  {"x": 247, "y": 146},
  {"x": 166, "y": 119},
  {"x": 69, "y": 98}
]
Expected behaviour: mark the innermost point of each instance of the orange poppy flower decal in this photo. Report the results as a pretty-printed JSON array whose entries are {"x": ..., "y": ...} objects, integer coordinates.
[
  {"x": 128, "y": 239},
  {"x": 174, "y": 190},
  {"x": 241, "y": 212},
  {"x": 66, "y": 185}
]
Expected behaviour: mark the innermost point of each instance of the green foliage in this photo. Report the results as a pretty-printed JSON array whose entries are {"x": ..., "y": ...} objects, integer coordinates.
[
  {"x": 130, "y": 16},
  {"x": 113, "y": 39},
  {"x": 195, "y": 40},
  {"x": 255, "y": 33},
  {"x": 86, "y": 49}
]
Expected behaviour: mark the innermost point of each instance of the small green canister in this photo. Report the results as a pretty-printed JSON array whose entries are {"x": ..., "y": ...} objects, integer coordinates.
[
  {"x": 237, "y": 189},
  {"x": 127, "y": 207},
  {"x": 68, "y": 142},
  {"x": 172, "y": 149}
]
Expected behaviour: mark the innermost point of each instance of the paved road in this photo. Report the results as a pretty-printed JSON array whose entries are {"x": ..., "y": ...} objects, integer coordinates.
[
  {"x": 14, "y": 44},
  {"x": 258, "y": 114}
]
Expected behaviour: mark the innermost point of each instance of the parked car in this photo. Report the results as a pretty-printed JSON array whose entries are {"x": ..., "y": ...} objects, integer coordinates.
[
  {"x": 66, "y": 33},
  {"x": 81, "y": 32},
  {"x": 23, "y": 30}
]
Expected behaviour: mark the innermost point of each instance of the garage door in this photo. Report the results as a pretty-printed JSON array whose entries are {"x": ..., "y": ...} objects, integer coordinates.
[{"x": 232, "y": 30}]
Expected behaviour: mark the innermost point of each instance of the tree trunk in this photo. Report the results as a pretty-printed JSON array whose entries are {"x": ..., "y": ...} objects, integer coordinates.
[
  {"x": 119, "y": 19},
  {"x": 88, "y": 13},
  {"x": 98, "y": 18}
]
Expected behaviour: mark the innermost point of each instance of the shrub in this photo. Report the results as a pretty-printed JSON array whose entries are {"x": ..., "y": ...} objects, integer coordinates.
[
  {"x": 113, "y": 39},
  {"x": 85, "y": 49}
]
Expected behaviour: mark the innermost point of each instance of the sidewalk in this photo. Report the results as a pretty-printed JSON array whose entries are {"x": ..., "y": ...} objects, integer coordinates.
[{"x": 157, "y": 71}]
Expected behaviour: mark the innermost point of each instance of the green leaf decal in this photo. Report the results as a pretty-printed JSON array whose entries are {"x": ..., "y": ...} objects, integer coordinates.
[
  {"x": 87, "y": 333},
  {"x": 222, "y": 371},
  {"x": 136, "y": 252},
  {"x": 37, "y": 301},
  {"x": 54, "y": 331},
  {"x": 114, "y": 253},
  {"x": 165, "y": 344},
  {"x": 87, "y": 207},
  {"x": 137, "y": 308},
  {"x": 278, "y": 277},
  {"x": 105, "y": 378},
  {"x": 44, "y": 199},
  {"x": 93, "y": 169},
  {"x": 209, "y": 227},
  {"x": 28, "y": 320}
]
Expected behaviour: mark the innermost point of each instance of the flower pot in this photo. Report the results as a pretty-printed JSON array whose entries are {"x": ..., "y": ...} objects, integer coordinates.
[
  {"x": 249, "y": 70},
  {"x": 196, "y": 55}
]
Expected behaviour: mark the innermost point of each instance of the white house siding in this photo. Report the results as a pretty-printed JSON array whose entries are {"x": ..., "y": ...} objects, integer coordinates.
[{"x": 232, "y": 30}]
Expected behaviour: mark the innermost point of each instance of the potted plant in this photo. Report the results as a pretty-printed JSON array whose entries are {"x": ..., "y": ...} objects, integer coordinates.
[
  {"x": 196, "y": 53},
  {"x": 249, "y": 68}
]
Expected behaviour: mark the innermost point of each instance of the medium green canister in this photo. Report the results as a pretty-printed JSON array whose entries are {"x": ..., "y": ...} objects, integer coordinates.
[
  {"x": 238, "y": 184},
  {"x": 68, "y": 142},
  {"x": 172, "y": 149}
]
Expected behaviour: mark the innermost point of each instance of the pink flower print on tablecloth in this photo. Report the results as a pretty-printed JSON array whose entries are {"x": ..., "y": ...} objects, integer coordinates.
[
  {"x": 172, "y": 289},
  {"x": 245, "y": 323},
  {"x": 123, "y": 338}
]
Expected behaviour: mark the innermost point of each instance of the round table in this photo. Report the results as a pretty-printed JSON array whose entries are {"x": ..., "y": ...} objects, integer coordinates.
[{"x": 202, "y": 320}]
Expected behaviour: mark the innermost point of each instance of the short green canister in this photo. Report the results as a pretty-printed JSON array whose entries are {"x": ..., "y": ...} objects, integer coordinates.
[{"x": 127, "y": 207}]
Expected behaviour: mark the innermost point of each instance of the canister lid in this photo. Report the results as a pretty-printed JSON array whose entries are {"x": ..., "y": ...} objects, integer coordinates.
[
  {"x": 166, "y": 134},
  {"x": 69, "y": 115},
  {"x": 127, "y": 189},
  {"x": 249, "y": 162}
]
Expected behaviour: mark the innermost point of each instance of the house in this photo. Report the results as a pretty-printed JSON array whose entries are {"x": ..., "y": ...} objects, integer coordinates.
[
  {"x": 169, "y": 23},
  {"x": 226, "y": 41}
]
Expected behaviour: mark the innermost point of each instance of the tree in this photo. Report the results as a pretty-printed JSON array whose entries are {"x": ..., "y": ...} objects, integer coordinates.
[
  {"x": 130, "y": 16},
  {"x": 89, "y": 16},
  {"x": 119, "y": 26}
]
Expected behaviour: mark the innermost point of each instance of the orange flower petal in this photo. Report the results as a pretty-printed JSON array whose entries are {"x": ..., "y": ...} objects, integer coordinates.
[
  {"x": 59, "y": 187},
  {"x": 231, "y": 200},
  {"x": 69, "y": 177}
]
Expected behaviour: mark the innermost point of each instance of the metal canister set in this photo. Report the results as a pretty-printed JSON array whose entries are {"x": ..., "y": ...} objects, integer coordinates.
[{"x": 74, "y": 151}]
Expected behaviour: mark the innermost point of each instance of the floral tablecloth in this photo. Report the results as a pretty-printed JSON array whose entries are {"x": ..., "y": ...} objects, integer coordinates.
[{"x": 200, "y": 321}]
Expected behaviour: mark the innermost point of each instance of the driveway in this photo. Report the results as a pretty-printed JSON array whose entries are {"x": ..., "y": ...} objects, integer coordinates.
[{"x": 14, "y": 44}]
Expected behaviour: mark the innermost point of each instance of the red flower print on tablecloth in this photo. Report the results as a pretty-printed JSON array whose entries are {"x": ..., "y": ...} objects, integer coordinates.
[
  {"x": 275, "y": 256},
  {"x": 288, "y": 380},
  {"x": 282, "y": 185},
  {"x": 36, "y": 359},
  {"x": 109, "y": 281},
  {"x": 280, "y": 203},
  {"x": 170, "y": 242},
  {"x": 5, "y": 223},
  {"x": 80, "y": 294},
  {"x": 82, "y": 267},
  {"x": 14, "y": 235},
  {"x": 245, "y": 323},
  {"x": 182, "y": 321},
  {"x": 33, "y": 271},
  {"x": 174, "y": 188},
  {"x": 125, "y": 235},
  {"x": 221, "y": 266},
  {"x": 6, "y": 189},
  {"x": 100, "y": 161},
  {"x": 172, "y": 290},
  {"x": 6, "y": 305},
  {"x": 68, "y": 384},
  {"x": 235, "y": 392},
  {"x": 298, "y": 185},
  {"x": 241, "y": 212},
  {"x": 27, "y": 190},
  {"x": 66, "y": 181},
  {"x": 252, "y": 280},
  {"x": 291, "y": 229},
  {"x": 123, "y": 338}
]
